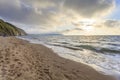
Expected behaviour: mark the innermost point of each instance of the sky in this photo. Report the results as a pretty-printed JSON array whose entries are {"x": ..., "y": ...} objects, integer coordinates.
[{"x": 67, "y": 17}]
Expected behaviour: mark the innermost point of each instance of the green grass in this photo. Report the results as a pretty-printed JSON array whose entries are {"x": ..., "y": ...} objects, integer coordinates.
[{"x": 7, "y": 29}]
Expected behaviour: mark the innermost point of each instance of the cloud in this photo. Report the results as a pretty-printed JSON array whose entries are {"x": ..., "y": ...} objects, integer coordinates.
[
  {"x": 20, "y": 12},
  {"x": 108, "y": 24},
  {"x": 90, "y": 8},
  {"x": 7, "y": 8},
  {"x": 73, "y": 29},
  {"x": 51, "y": 14},
  {"x": 112, "y": 23}
]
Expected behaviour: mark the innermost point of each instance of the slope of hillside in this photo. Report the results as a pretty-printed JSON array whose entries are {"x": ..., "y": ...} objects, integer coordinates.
[{"x": 7, "y": 29}]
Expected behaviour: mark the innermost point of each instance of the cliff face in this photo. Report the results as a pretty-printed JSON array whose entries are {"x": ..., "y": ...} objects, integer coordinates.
[{"x": 7, "y": 29}]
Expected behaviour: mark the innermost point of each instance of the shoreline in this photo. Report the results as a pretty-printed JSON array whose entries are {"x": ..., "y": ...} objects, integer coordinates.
[
  {"x": 97, "y": 68},
  {"x": 37, "y": 62}
]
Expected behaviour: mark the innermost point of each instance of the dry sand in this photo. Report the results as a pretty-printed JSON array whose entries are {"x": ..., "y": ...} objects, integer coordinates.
[{"x": 21, "y": 60}]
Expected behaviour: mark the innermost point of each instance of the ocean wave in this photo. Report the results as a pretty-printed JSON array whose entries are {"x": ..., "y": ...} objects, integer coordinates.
[
  {"x": 88, "y": 47},
  {"x": 101, "y": 52},
  {"x": 65, "y": 46},
  {"x": 99, "y": 49}
]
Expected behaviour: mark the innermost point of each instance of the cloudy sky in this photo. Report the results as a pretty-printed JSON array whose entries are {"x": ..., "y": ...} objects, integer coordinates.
[{"x": 68, "y": 17}]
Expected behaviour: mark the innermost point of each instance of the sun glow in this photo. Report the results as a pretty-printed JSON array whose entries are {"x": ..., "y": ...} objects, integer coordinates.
[
  {"x": 88, "y": 24},
  {"x": 88, "y": 28}
]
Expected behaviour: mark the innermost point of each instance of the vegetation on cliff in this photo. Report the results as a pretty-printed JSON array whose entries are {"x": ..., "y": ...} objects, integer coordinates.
[{"x": 7, "y": 29}]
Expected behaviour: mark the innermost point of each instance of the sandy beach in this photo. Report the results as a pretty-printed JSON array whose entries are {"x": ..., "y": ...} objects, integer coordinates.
[{"x": 21, "y": 60}]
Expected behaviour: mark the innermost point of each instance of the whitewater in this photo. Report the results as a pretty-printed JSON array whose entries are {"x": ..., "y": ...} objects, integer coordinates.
[{"x": 100, "y": 52}]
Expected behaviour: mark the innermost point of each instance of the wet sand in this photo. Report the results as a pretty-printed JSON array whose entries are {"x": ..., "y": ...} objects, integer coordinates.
[{"x": 21, "y": 60}]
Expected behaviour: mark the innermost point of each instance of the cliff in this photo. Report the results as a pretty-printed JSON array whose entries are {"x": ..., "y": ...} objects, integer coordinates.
[{"x": 7, "y": 29}]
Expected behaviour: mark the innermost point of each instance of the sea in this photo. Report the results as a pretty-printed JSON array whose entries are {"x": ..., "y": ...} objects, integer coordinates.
[{"x": 100, "y": 52}]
